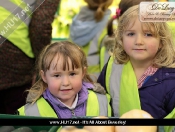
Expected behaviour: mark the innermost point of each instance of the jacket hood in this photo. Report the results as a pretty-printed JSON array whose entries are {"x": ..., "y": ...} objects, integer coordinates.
[{"x": 84, "y": 27}]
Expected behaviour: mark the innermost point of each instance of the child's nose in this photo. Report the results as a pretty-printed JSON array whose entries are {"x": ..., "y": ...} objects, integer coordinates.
[
  {"x": 139, "y": 40},
  {"x": 65, "y": 81}
]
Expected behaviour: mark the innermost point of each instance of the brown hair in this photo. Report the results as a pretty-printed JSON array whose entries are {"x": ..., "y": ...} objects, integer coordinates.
[
  {"x": 165, "y": 56},
  {"x": 64, "y": 49},
  {"x": 100, "y": 6}
]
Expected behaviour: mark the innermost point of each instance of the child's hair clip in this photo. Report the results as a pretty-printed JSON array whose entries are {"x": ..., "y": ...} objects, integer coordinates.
[{"x": 118, "y": 11}]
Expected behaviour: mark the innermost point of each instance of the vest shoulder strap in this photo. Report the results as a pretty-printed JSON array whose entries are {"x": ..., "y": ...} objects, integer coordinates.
[
  {"x": 46, "y": 109},
  {"x": 112, "y": 82},
  {"x": 39, "y": 108},
  {"x": 94, "y": 108}
]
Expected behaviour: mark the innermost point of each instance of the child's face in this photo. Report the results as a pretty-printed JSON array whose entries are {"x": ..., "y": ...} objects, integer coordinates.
[
  {"x": 139, "y": 43},
  {"x": 63, "y": 84}
]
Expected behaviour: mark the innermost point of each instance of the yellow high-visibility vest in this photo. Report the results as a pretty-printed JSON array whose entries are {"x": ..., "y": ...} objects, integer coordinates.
[{"x": 14, "y": 22}]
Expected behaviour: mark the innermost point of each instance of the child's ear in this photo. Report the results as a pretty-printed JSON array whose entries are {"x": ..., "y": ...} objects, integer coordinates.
[
  {"x": 160, "y": 44},
  {"x": 84, "y": 71},
  {"x": 43, "y": 76}
]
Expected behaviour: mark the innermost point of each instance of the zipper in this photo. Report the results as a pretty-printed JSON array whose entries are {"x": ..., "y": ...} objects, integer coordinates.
[{"x": 73, "y": 112}]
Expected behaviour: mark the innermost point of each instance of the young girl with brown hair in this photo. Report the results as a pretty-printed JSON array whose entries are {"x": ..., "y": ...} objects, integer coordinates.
[{"x": 64, "y": 88}]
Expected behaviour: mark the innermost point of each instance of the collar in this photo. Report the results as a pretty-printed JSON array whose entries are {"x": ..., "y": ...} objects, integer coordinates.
[
  {"x": 81, "y": 96},
  {"x": 73, "y": 105},
  {"x": 149, "y": 72},
  {"x": 160, "y": 75}
]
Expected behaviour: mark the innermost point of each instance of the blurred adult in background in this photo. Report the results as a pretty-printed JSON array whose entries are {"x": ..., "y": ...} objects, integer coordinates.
[
  {"x": 88, "y": 29},
  {"x": 20, "y": 48}
]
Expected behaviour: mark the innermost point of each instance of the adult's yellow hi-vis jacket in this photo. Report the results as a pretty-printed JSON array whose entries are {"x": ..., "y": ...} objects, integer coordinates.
[
  {"x": 156, "y": 96},
  {"x": 14, "y": 23},
  {"x": 97, "y": 105},
  {"x": 172, "y": 28}
]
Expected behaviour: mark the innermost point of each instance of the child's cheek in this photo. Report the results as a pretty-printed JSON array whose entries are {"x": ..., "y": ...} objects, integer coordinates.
[
  {"x": 54, "y": 86},
  {"x": 153, "y": 49},
  {"x": 77, "y": 85},
  {"x": 127, "y": 49}
]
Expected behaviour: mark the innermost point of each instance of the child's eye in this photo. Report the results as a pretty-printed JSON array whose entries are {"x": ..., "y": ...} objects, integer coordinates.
[
  {"x": 148, "y": 34},
  {"x": 56, "y": 75},
  {"x": 130, "y": 34},
  {"x": 72, "y": 74}
]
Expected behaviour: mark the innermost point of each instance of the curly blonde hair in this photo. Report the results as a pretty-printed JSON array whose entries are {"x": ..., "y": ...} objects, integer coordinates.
[
  {"x": 100, "y": 6},
  {"x": 165, "y": 56},
  {"x": 65, "y": 49}
]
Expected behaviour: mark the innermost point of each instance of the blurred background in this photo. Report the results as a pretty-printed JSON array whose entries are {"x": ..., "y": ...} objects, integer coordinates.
[
  {"x": 63, "y": 18},
  {"x": 67, "y": 10}
]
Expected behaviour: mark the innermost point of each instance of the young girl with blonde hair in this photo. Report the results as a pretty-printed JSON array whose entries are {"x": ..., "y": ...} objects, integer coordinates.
[
  {"x": 64, "y": 88},
  {"x": 108, "y": 42},
  {"x": 141, "y": 72}
]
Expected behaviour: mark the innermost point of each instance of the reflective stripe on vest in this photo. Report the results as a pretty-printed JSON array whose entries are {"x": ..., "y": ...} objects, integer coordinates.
[
  {"x": 92, "y": 51},
  {"x": 103, "y": 105},
  {"x": 173, "y": 129},
  {"x": 14, "y": 22},
  {"x": 34, "y": 108},
  {"x": 94, "y": 108},
  {"x": 113, "y": 78},
  {"x": 22, "y": 13}
]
